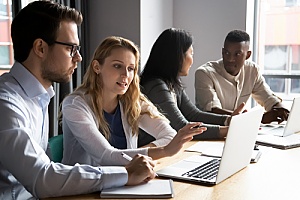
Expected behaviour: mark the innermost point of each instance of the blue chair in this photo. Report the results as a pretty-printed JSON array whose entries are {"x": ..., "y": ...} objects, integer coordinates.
[{"x": 56, "y": 148}]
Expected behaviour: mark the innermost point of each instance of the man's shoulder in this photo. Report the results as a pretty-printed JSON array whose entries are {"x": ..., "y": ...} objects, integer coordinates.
[
  {"x": 210, "y": 67},
  {"x": 11, "y": 96},
  {"x": 8, "y": 86},
  {"x": 251, "y": 65}
]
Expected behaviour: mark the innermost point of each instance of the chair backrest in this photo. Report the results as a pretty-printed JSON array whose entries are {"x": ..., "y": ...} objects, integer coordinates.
[{"x": 56, "y": 148}]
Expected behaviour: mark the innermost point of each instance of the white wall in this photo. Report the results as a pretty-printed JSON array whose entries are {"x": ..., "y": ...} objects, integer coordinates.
[
  {"x": 138, "y": 20},
  {"x": 209, "y": 21},
  {"x": 156, "y": 16},
  {"x": 143, "y": 20}
]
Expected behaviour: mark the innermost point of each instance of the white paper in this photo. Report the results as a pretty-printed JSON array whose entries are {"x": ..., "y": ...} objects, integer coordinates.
[
  {"x": 209, "y": 148},
  {"x": 154, "y": 188}
]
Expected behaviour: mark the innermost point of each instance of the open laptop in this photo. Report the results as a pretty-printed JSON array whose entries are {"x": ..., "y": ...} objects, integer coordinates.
[
  {"x": 283, "y": 137},
  {"x": 292, "y": 124},
  {"x": 236, "y": 154}
]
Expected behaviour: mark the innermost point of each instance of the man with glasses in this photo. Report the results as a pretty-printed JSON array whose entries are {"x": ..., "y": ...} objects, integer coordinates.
[{"x": 46, "y": 50}]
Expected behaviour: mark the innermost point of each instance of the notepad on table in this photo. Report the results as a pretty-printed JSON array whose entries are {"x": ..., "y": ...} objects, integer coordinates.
[{"x": 153, "y": 189}]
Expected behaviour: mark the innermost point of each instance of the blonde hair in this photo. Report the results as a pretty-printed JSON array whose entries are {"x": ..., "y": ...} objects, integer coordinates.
[{"x": 131, "y": 100}]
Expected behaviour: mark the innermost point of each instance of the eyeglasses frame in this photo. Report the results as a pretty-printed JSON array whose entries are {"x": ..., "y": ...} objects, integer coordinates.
[{"x": 74, "y": 46}]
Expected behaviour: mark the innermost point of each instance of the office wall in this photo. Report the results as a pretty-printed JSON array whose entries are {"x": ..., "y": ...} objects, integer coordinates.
[
  {"x": 156, "y": 16},
  {"x": 143, "y": 20},
  {"x": 138, "y": 20},
  {"x": 209, "y": 21},
  {"x": 112, "y": 17}
]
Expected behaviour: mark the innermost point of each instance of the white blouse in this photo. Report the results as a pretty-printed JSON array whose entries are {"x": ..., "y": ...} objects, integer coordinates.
[{"x": 84, "y": 143}]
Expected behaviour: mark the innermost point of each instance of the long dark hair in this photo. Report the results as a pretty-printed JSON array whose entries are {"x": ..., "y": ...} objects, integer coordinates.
[{"x": 166, "y": 57}]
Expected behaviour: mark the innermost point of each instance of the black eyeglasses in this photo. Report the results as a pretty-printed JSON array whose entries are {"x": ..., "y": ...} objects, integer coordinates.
[{"x": 74, "y": 48}]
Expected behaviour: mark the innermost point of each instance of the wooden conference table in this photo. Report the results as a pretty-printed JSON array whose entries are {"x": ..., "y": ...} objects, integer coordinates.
[{"x": 275, "y": 176}]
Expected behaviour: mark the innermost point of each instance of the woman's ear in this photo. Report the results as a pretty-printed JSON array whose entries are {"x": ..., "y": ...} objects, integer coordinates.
[{"x": 96, "y": 66}]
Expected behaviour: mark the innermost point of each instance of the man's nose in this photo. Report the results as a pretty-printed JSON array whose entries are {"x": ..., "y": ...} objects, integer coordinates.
[{"x": 77, "y": 57}]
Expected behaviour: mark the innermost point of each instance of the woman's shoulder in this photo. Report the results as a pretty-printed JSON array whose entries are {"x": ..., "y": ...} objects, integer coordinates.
[
  {"x": 153, "y": 83},
  {"x": 74, "y": 98}
]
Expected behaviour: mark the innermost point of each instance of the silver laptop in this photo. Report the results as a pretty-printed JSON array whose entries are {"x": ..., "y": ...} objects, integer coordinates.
[
  {"x": 292, "y": 124},
  {"x": 287, "y": 134},
  {"x": 236, "y": 154}
]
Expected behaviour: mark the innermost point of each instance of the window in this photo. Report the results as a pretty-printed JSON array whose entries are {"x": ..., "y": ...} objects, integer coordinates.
[
  {"x": 291, "y": 3},
  {"x": 6, "y": 50},
  {"x": 6, "y": 46},
  {"x": 278, "y": 45}
]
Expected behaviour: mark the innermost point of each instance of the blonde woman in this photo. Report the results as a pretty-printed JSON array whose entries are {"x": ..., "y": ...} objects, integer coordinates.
[{"x": 101, "y": 117}]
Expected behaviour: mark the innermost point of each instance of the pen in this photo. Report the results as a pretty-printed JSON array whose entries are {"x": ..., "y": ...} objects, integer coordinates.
[{"x": 127, "y": 157}]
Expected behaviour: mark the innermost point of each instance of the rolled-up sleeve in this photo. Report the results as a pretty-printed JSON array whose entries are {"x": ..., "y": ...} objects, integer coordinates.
[
  {"x": 262, "y": 92},
  {"x": 159, "y": 128}
]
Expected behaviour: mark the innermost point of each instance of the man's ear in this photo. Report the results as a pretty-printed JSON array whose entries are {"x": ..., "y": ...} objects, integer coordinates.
[
  {"x": 248, "y": 54},
  {"x": 40, "y": 47},
  {"x": 96, "y": 66}
]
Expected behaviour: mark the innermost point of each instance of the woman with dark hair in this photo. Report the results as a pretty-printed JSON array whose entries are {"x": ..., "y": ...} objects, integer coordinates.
[{"x": 171, "y": 57}]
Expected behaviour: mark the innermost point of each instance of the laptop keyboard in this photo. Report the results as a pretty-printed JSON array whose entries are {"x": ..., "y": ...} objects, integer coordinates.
[{"x": 208, "y": 170}]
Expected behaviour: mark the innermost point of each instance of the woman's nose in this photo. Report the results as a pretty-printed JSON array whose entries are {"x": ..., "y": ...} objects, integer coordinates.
[{"x": 125, "y": 73}]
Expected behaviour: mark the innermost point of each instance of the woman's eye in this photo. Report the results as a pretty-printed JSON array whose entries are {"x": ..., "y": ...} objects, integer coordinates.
[
  {"x": 117, "y": 66},
  {"x": 130, "y": 69}
]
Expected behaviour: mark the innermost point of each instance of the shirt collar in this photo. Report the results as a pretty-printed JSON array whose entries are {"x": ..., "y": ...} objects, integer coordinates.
[
  {"x": 229, "y": 76},
  {"x": 28, "y": 82}
]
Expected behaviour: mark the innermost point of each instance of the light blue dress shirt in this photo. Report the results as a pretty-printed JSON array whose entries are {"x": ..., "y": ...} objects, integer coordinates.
[{"x": 26, "y": 172}]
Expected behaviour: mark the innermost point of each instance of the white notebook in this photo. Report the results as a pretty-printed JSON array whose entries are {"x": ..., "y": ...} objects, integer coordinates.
[{"x": 155, "y": 189}]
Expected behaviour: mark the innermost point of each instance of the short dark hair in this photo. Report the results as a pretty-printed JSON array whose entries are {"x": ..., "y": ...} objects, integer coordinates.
[
  {"x": 237, "y": 36},
  {"x": 167, "y": 55},
  {"x": 39, "y": 19}
]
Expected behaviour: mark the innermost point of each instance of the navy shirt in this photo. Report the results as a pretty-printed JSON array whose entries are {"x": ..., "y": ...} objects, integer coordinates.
[{"x": 117, "y": 135}]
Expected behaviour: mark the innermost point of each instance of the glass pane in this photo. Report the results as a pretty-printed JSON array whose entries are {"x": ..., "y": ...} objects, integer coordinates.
[
  {"x": 6, "y": 52},
  {"x": 4, "y": 58},
  {"x": 276, "y": 57},
  {"x": 295, "y": 58},
  {"x": 276, "y": 84},
  {"x": 295, "y": 86},
  {"x": 3, "y": 9},
  {"x": 290, "y": 3}
]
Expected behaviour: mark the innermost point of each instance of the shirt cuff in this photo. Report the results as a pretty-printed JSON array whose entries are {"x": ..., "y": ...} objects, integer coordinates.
[
  {"x": 226, "y": 123},
  {"x": 113, "y": 176}
]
